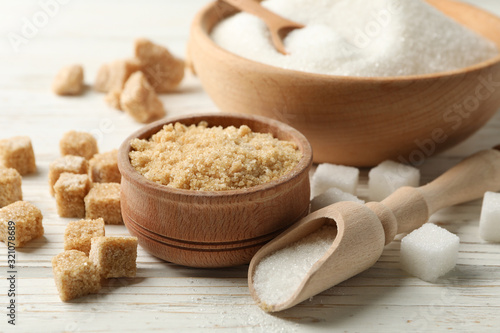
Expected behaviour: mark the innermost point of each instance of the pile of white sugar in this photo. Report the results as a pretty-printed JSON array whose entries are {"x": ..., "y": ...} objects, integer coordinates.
[
  {"x": 358, "y": 38},
  {"x": 278, "y": 275}
]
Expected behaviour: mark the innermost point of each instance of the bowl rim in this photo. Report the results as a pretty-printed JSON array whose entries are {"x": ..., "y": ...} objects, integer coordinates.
[
  {"x": 197, "y": 27},
  {"x": 133, "y": 176}
]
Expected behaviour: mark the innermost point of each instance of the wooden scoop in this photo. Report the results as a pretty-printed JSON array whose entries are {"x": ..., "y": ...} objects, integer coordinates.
[
  {"x": 363, "y": 230},
  {"x": 278, "y": 26}
]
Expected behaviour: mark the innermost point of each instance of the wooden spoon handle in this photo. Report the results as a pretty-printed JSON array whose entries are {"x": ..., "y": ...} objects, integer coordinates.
[
  {"x": 278, "y": 26},
  {"x": 466, "y": 181},
  {"x": 272, "y": 20}
]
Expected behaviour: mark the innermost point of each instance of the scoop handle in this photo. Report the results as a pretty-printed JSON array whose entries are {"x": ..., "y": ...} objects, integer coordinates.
[
  {"x": 278, "y": 26},
  {"x": 466, "y": 181},
  {"x": 250, "y": 7},
  {"x": 254, "y": 7}
]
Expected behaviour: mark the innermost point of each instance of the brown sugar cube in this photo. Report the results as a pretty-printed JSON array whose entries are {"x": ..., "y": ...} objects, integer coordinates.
[
  {"x": 163, "y": 71},
  {"x": 139, "y": 99},
  {"x": 112, "y": 98},
  {"x": 10, "y": 186},
  {"x": 68, "y": 81},
  {"x": 69, "y": 164},
  {"x": 114, "y": 256},
  {"x": 78, "y": 144},
  {"x": 103, "y": 168},
  {"x": 78, "y": 234},
  {"x": 112, "y": 76},
  {"x": 71, "y": 190},
  {"x": 17, "y": 153},
  {"x": 20, "y": 222},
  {"x": 75, "y": 275},
  {"x": 103, "y": 201}
]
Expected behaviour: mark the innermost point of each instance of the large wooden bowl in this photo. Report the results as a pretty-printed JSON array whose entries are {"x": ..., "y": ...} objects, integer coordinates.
[
  {"x": 213, "y": 228},
  {"x": 350, "y": 120}
]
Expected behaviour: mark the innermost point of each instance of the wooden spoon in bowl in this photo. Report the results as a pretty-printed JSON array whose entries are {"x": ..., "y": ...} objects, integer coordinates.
[
  {"x": 363, "y": 230},
  {"x": 278, "y": 26}
]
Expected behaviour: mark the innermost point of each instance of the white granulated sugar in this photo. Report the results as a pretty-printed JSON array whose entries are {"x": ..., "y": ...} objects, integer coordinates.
[
  {"x": 331, "y": 175},
  {"x": 279, "y": 275},
  {"x": 388, "y": 176},
  {"x": 358, "y": 38},
  {"x": 429, "y": 252},
  {"x": 489, "y": 223},
  {"x": 331, "y": 196}
]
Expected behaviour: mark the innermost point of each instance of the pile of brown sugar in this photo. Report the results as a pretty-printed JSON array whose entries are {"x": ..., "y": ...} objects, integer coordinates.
[{"x": 198, "y": 157}]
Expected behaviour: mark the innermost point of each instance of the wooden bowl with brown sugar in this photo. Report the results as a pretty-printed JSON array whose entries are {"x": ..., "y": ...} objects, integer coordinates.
[
  {"x": 354, "y": 120},
  {"x": 213, "y": 228}
]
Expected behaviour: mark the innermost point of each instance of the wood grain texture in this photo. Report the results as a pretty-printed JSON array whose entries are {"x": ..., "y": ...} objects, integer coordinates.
[
  {"x": 172, "y": 298},
  {"x": 355, "y": 121},
  {"x": 213, "y": 228}
]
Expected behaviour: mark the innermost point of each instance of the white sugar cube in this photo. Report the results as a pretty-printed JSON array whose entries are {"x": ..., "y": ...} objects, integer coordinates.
[
  {"x": 331, "y": 175},
  {"x": 331, "y": 196},
  {"x": 388, "y": 176},
  {"x": 429, "y": 252},
  {"x": 489, "y": 223}
]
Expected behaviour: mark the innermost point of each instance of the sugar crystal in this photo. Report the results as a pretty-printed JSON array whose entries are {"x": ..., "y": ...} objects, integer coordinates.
[
  {"x": 278, "y": 275},
  {"x": 429, "y": 252},
  {"x": 332, "y": 196},
  {"x": 388, "y": 176},
  {"x": 331, "y": 175},
  {"x": 489, "y": 223},
  {"x": 374, "y": 38}
]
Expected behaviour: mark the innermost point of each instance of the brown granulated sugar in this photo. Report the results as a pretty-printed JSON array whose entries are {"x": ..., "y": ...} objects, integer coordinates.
[{"x": 198, "y": 157}]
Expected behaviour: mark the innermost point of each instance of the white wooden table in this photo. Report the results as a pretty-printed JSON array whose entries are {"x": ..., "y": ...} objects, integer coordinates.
[{"x": 167, "y": 297}]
